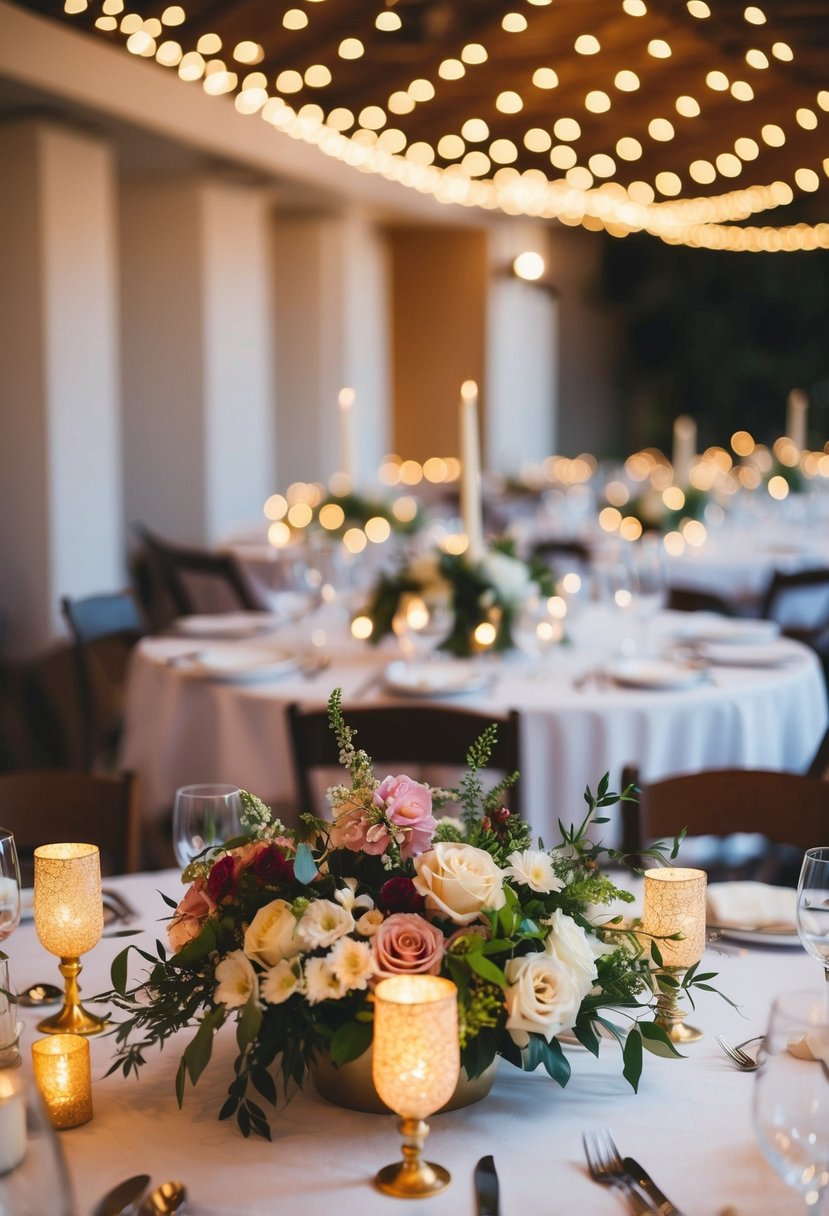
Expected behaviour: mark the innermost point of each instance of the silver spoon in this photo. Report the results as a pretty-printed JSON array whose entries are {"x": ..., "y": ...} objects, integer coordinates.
[
  {"x": 166, "y": 1200},
  {"x": 40, "y": 994},
  {"x": 121, "y": 1200}
]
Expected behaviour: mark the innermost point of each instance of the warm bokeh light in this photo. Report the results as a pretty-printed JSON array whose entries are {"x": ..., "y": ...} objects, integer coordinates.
[
  {"x": 355, "y": 540},
  {"x": 485, "y": 634},
  {"x": 378, "y": 529},
  {"x": 610, "y": 519},
  {"x": 332, "y": 516},
  {"x": 778, "y": 487},
  {"x": 673, "y": 498},
  {"x": 362, "y": 627},
  {"x": 279, "y": 535},
  {"x": 742, "y": 443}
]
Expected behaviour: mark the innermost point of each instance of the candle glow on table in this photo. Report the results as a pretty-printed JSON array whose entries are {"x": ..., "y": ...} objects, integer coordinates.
[
  {"x": 12, "y": 1120},
  {"x": 684, "y": 449},
  {"x": 797, "y": 412},
  {"x": 415, "y": 1066},
  {"x": 64, "y": 1078},
  {"x": 471, "y": 508},
  {"x": 346, "y": 401}
]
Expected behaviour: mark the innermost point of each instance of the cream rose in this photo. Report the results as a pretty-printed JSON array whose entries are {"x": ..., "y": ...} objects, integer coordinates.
[
  {"x": 271, "y": 935},
  {"x": 569, "y": 943},
  {"x": 458, "y": 881},
  {"x": 542, "y": 996}
]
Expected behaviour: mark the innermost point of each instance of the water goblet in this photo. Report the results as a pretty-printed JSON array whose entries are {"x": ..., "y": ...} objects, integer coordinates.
[
  {"x": 420, "y": 625},
  {"x": 538, "y": 628},
  {"x": 204, "y": 816},
  {"x": 791, "y": 1094},
  {"x": 813, "y": 906},
  {"x": 9, "y": 884}
]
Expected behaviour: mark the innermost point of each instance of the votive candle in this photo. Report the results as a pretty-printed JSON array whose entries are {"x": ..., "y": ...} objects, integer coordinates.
[
  {"x": 12, "y": 1120},
  {"x": 675, "y": 903},
  {"x": 415, "y": 1052},
  {"x": 63, "y": 1076}
]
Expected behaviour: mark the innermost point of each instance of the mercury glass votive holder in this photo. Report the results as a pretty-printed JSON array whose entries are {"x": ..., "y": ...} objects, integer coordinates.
[
  {"x": 416, "y": 1063},
  {"x": 63, "y": 1077},
  {"x": 674, "y": 917},
  {"x": 69, "y": 921}
]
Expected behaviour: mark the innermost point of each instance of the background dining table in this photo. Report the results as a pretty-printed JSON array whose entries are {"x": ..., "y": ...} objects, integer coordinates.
[
  {"x": 690, "y": 1123},
  {"x": 196, "y": 713}
]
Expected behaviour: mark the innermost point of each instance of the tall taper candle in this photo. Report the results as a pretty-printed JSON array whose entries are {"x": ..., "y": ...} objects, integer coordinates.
[
  {"x": 685, "y": 448},
  {"x": 797, "y": 410},
  {"x": 471, "y": 508},
  {"x": 346, "y": 404}
]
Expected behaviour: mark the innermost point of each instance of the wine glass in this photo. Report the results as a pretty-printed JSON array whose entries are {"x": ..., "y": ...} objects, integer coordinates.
[
  {"x": 791, "y": 1094},
  {"x": 539, "y": 627},
  {"x": 9, "y": 884},
  {"x": 33, "y": 1175},
  {"x": 204, "y": 816},
  {"x": 813, "y": 905},
  {"x": 420, "y": 625}
]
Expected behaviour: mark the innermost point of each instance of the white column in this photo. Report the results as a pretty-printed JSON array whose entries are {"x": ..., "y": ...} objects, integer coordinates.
[
  {"x": 332, "y": 331},
  {"x": 522, "y": 353},
  {"x": 60, "y": 487},
  {"x": 198, "y": 368}
]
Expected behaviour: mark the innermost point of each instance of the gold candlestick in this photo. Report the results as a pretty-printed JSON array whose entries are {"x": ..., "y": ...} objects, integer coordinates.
[{"x": 675, "y": 905}]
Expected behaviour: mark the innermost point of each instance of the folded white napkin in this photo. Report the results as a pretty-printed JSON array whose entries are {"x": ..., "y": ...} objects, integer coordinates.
[{"x": 751, "y": 905}]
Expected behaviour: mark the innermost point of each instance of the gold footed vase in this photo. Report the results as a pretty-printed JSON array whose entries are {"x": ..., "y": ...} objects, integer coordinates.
[{"x": 352, "y": 1087}]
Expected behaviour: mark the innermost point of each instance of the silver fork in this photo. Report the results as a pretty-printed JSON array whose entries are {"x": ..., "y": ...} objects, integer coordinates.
[
  {"x": 741, "y": 1059},
  {"x": 605, "y": 1165}
]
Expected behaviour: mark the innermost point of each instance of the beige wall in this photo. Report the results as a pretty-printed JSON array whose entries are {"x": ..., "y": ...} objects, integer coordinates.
[{"x": 439, "y": 292}]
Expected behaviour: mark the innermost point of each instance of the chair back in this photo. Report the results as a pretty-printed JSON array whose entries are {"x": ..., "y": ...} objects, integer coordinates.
[
  {"x": 45, "y": 807},
  {"x": 198, "y": 580},
  {"x": 688, "y": 599},
  {"x": 426, "y": 736},
  {"x": 104, "y": 630},
  {"x": 799, "y": 602},
  {"x": 786, "y": 808},
  {"x": 819, "y": 768}
]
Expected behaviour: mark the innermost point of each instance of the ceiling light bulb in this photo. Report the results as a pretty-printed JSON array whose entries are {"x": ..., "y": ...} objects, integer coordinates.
[
  {"x": 658, "y": 48},
  {"x": 545, "y": 78},
  {"x": 508, "y": 102},
  {"x": 755, "y": 16},
  {"x": 587, "y": 44},
  {"x": 529, "y": 265},
  {"x": 597, "y": 102},
  {"x": 628, "y": 82},
  {"x": 566, "y": 129}
]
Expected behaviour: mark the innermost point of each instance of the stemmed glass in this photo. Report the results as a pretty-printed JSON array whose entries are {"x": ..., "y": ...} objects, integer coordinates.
[
  {"x": 204, "y": 816},
  {"x": 420, "y": 625},
  {"x": 538, "y": 628},
  {"x": 9, "y": 885},
  {"x": 813, "y": 906},
  {"x": 791, "y": 1095}
]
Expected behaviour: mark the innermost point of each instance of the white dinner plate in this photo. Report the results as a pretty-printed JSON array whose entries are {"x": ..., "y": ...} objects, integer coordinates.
[
  {"x": 654, "y": 673},
  {"x": 434, "y": 679},
  {"x": 773, "y": 655},
  {"x": 733, "y": 632},
  {"x": 226, "y": 624},
  {"x": 241, "y": 664},
  {"x": 757, "y": 937}
]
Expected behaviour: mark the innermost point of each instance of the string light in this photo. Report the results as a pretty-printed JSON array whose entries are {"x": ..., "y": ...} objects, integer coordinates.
[{"x": 499, "y": 173}]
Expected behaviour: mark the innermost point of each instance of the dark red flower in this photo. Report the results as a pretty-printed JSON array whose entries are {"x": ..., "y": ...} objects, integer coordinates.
[
  {"x": 221, "y": 879},
  {"x": 271, "y": 866},
  {"x": 399, "y": 895}
]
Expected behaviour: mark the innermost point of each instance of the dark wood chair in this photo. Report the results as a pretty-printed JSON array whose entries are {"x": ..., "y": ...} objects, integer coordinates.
[
  {"x": 556, "y": 551},
  {"x": 819, "y": 768},
  {"x": 789, "y": 810},
  {"x": 104, "y": 630},
  {"x": 688, "y": 599},
  {"x": 421, "y": 735},
  {"x": 799, "y": 602},
  {"x": 197, "y": 580},
  {"x": 42, "y": 807}
]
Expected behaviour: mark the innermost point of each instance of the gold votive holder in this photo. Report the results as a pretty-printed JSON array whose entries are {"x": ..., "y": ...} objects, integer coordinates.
[
  {"x": 12, "y": 1120},
  {"x": 63, "y": 1076},
  {"x": 674, "y": 917},
  {"x": 415, "y": 1066}
]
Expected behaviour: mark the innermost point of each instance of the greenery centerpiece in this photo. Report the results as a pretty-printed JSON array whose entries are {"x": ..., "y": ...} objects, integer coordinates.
[
  {"x": 284, "y": 933},
  {"x": 488, "y": 591}
]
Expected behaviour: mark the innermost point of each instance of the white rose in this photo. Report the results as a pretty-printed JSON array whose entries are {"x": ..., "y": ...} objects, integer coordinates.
[
  {"x": 236, "y": 980},
  {"x": 271, "y": 935},
  {"x": 542, "y": 997},
  {"x": 323, "y": 922},
  {"x": 459, "y": 881},
  {"x": 509, "y": 576},
  {"x": 569, "y": 943}
]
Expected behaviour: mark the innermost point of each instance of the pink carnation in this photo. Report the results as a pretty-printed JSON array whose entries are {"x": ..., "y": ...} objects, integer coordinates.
[
  {"x": 190, "y": 915},
  {"x": 408, "y": 805},
  {"x": 406, "y": 944}
]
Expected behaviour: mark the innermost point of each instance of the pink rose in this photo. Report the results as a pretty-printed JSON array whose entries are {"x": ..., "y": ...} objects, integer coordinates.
[
  {"x": 354, "y": 829},
  {"x": 190, "y": 915},
  {"x": 406, "y": 944},
  {"x": 408, "y": 805}
]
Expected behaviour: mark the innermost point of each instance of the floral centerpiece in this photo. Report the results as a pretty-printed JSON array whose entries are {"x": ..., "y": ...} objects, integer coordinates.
[
  {"x": 285, "y": 933},
  {"x": 490, "y": 590}
]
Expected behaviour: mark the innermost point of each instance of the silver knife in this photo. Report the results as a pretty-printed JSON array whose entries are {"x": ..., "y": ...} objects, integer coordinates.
[
  {"x": 648, "y": 1187},
  {"x": 486, "y": 1187}
]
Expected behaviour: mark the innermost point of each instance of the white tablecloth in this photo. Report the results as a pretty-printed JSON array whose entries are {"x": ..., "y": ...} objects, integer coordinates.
[
  {"x": 690, "y": 1123},
  {"x": 182, "y": 728}
]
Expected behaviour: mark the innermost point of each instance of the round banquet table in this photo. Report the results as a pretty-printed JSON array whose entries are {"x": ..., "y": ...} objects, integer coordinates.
[
  {"x": 183, "y": 727},
  {"x": 689, "y": 1125}
]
